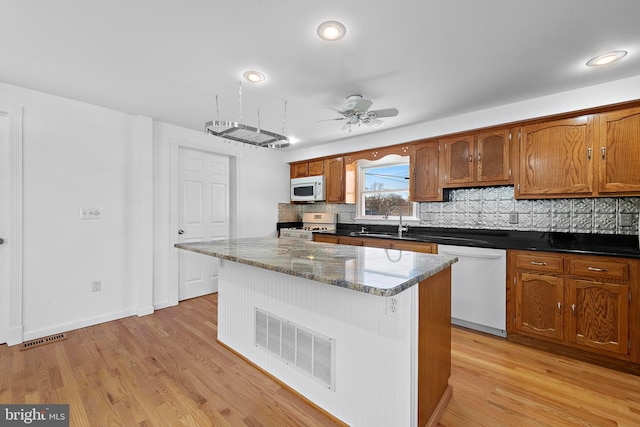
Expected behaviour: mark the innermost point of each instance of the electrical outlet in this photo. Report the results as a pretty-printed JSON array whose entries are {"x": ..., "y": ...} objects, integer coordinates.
[
  {"x": 626, "y": 220},
  {"x": 393, "y": 307},
  {"x": 513, "y": 218},
  {"x": 90, "y": 213},
  {"x": 96, "y": 286}
]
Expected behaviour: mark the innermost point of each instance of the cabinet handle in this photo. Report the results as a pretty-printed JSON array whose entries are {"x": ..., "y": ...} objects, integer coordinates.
[
  {"x": 470, "y": 158},
  {"x": 559, "y": 307},
  {"x": 588, "y": 153},
  {"x": 602, "y": 151},
  {"x": 601, "y": 270},
  {"x": 538, "y": 263},
  {"x": 479, "y": 157},
  {"x": 573, "y": 310}
]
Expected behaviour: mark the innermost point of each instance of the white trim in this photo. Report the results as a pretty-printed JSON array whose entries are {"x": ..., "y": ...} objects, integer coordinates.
[
  {"x": 15, "y": 327},
  {"x": 144, "y": 143},
  {"x": 66, "y": 327}
]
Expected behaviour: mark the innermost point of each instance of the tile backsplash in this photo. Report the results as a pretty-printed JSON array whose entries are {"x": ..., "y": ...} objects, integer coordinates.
[{"x": 494, "y": 207}]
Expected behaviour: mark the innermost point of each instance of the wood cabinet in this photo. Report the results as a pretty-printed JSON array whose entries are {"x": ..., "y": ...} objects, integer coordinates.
[
  {"x": 618, "y": 152},
  {"x": 555, "y": 159},
  {"x": 477, "y": 159},
  {"x": 309, "y": 168},
  {"x": 587, "y": 156},
  {"x": 423, "y": 247},
  {"x": 425, "y": 184},
  {"x": 334, "y": 171},
  {"x": 585, "y": 302}
]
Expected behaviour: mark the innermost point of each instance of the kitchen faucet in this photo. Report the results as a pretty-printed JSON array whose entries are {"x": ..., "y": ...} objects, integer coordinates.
[{"x": 401, "y": 228}]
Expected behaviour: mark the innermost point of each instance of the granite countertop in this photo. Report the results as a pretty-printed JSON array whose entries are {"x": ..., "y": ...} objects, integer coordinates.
[
  {"x": 383, "y": 272},
  {"x": 577, "y": 243}
]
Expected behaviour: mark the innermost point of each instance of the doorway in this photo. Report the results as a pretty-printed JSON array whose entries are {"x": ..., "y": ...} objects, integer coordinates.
[{"x": 203, "y": 215}]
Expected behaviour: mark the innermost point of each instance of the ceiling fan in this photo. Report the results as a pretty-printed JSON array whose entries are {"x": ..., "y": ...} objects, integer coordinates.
[{"x": 356, "y": 112}]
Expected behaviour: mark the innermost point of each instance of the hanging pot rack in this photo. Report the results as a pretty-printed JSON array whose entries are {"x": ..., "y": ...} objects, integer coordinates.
[{"x": 236, "y": 131}]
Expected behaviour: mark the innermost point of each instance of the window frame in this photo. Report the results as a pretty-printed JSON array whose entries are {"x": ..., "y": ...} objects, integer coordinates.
[{"x": 361, "y": 166}]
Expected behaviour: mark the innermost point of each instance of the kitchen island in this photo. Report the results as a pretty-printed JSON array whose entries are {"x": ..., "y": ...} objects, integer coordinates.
[{"x": 363, "y": 333}]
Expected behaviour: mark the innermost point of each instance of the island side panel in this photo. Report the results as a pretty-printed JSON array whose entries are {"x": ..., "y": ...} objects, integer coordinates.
[
  {"x": 373, "y": 350},
  {"x": 434, "y": 347}
]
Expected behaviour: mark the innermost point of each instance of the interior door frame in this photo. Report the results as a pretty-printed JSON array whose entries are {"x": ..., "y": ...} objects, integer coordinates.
[
  {"x": 11, "y": 322},
  {"x": 174, "y": 213}
]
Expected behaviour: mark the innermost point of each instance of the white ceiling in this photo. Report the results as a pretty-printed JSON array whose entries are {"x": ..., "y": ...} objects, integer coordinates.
[{"x": 168, "y": 59}]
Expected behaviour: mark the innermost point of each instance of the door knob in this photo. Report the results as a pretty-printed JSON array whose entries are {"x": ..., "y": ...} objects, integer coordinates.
[
  {"x": 181, "y": 231},
  {"x": 1, "y": 240}
]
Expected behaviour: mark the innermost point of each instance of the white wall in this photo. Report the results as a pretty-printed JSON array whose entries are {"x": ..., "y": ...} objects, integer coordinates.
[
  {"x": 259, "y": 180},
  {"x": 81, "y": 155},
  {"x": 592, "y": 96},
  {"x": 75, "y": 155}
]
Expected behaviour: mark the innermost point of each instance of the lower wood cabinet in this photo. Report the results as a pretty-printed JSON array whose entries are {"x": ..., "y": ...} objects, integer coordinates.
[
  {"x": 585, "y": 302},
  {"x": 423, "y": 247}
]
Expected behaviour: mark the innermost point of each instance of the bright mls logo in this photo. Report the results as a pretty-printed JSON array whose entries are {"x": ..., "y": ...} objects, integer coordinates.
[{"x": 34, "y": 415}]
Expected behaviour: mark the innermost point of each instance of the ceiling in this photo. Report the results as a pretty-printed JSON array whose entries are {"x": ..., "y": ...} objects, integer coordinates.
[{"x": 430, "y": 59}]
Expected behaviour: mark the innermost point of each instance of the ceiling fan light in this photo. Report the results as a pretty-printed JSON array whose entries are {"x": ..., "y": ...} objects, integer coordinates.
[
  {"x": 331, "y": 30},
  {"x": 607, "y": 58}
]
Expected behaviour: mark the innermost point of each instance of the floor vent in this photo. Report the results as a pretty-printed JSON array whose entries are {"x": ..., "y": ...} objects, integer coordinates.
[
  {"x": 306, "y": 350},
  {"x": 42, "y": 341}
]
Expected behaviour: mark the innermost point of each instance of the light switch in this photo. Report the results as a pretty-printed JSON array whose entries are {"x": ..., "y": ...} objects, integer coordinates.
[{"x": 90, "y": 213}]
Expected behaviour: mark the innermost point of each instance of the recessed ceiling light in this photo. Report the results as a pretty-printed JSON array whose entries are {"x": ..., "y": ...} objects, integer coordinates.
[
  {"x": 607, "y": 58},
  {"x": 331, "y": 30},
  {"x": 253, "y": 76}
]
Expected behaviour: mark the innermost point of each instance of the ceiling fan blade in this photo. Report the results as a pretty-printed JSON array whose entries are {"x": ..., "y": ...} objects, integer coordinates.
[
  {"x": 346, "y": 126},
  {"x": 344, "y": 113},
  {"x": 330, "y": 120},
  {"x": 385, "y": 112}
]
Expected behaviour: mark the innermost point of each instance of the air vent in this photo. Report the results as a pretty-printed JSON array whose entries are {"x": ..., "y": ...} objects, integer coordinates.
[
  {"x": 306, "y": 350},
  {"x": 42, "y": 341}
]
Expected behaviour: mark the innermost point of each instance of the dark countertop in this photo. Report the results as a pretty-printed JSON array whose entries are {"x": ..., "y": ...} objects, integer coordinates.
[{"x": 579, "y": 243}]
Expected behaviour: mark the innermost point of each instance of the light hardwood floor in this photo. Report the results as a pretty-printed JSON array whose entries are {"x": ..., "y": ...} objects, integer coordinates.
[{"x": 167, "y": 370}]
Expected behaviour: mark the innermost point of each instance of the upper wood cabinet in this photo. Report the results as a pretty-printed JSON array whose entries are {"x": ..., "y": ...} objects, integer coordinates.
[
  {"x": 310, "y": 168},
  {"x": 334, "y": 171},
  {"x": 618, "y": 155},
  {"x": 478, "y": 159},
  {"x": 587, "y": 156},
  {"x": 425, "y": 184},
  {"x": 555, "y": 159}
]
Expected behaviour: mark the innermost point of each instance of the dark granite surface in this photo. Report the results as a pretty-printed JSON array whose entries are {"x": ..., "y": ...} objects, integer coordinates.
[{"x": 579, "y": 243}]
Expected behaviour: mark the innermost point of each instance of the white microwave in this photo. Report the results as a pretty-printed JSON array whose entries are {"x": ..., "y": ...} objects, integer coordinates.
[{"x": 308, "y": 189}]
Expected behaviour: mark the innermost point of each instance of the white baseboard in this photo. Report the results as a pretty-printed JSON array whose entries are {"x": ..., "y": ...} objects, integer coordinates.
[
  {"x": 163, "y": 304},
  {"x": 145, "y": 311},
  {"x": 14, "y": 336},
  {"x": 39, "y": 333}
]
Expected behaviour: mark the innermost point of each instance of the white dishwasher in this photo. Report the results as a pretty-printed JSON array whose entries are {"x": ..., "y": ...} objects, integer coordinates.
[{"x": 478, "y": 288}]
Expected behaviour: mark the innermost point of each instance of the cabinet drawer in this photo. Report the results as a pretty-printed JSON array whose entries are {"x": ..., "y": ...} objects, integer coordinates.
[
  {"x": 548, "y": 263},
  {"x": 615, "y": 270},
  {"x": 426, "y": 248}
]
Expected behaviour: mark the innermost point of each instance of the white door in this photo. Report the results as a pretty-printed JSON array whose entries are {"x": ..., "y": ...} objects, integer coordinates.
[{"x": 204, "y": 215}]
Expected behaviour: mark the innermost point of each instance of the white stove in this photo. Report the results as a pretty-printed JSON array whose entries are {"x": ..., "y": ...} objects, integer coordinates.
[{"x": 311, "y": 223}]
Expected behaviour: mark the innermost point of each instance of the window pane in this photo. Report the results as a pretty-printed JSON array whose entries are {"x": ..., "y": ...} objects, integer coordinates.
[
  {"x": 380, "y": 203},
  {"x": 395, "y": 177}
]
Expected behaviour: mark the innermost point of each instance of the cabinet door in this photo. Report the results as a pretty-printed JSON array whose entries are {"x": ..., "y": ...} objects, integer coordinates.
[
  {"x": 424, "y": 184},
  {"x": 493, "y": 157},
  {"x": 618, "y": 152},
  {"x": 556, "y": 159},
  {"x": 299, "y": 170},
  {"x": 539, "y": 305},
  {"x": 458, "y": 160},
  {"x": 599, "y": 315},
  {"x": 316, "y": 167},
  {"x": 334, "y": 171}
]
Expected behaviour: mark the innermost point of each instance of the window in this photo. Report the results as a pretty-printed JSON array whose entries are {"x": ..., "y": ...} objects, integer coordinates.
[{"x": 383, "y": 184}]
